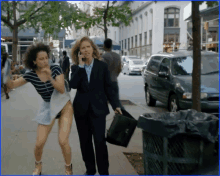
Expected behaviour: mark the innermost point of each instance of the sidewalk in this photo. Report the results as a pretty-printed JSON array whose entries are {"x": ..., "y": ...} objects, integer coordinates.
[{"x": 19, "y": 134}]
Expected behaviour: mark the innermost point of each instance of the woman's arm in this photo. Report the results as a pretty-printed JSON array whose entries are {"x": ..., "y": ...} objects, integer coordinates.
[
  {"x": 58, "y": 83},
  {"x": 16, "y": 83}
]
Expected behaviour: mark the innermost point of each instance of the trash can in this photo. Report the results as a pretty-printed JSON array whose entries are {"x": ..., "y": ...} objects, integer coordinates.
[{"x": 177, "y": 143}]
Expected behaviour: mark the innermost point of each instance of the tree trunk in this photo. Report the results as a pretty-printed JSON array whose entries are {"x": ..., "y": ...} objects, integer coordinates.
[
  {"x": 196, "y": 77},
  {"x": 105, "y": 21},
  {"x": 15, "y": 43},
  {"x": 15, "y": 34},
  {"x": 105, "y": 29}
]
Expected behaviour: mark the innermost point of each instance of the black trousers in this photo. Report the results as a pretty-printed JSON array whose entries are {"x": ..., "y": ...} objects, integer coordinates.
[{"x": 90, "y": 126}]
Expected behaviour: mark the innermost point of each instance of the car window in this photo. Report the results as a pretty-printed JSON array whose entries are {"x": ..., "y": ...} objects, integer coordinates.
[
  {"x": 165, "y": 65},
  {"x": 132, "y": 57},
  {"x": 154, "y": 63},
  {"x": 182, "y": 66},
  {"x": 209, "y": 64},
  {"x": 138, "y": 62}
]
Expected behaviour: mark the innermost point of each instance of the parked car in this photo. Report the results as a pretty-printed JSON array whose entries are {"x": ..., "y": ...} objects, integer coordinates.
[
  {"x": 133, "y": 66},
  {"x": 125, "y": 58},
  {"x": 145, "y": 65},
  {"x": 168, "y": 79}
]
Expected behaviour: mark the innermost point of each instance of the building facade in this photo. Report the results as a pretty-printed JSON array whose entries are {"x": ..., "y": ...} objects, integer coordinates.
[
  {"x": 155, "y": 26},
  {"x": 209, "y": 29}
]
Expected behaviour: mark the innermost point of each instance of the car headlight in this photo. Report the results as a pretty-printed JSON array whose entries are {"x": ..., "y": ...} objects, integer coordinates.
[
  {"x": 203, "y": 95},
  {"x": 188, "y": 95}
]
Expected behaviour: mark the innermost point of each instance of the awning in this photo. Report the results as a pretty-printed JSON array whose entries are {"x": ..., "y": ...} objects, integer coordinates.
[{"x": 100, "y": 42}]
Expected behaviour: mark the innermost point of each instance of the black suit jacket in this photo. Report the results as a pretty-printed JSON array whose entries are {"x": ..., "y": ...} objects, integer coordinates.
[{"x": 96, "y": 92}]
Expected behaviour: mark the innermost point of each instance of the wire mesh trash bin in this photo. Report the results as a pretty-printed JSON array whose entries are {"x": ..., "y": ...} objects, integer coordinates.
[{"x": 177, "y": 143}]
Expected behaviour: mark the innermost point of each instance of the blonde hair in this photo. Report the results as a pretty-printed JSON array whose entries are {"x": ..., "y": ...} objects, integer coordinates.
[{"x": 75, "y": 50}]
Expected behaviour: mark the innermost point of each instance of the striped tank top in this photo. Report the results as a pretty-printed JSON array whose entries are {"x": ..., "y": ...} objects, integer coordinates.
[{"x": 45, "y": 89}]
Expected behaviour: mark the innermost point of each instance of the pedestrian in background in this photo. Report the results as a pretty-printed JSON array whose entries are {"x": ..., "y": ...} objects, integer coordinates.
[
  {"x": 65, "y": 65},
  {"x": 113, "y": 61},
  {"x": 4, "y": 57},
  {"x": 91, "y": 78},
  {"x": 51, "y": 56},
  {"x": 48, "y": 80}
]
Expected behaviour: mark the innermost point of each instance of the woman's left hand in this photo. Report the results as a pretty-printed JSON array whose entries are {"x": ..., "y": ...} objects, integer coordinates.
[
  {"x": 118, "y": 111},
  {"x": 48, "y": 72}
]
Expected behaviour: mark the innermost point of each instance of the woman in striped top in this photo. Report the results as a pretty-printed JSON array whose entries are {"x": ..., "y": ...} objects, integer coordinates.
[{"x": 46, "y": 79}]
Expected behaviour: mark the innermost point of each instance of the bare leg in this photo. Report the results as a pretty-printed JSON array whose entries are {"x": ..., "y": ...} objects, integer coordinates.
[
  {"x": 65, "y": 124},
  {"x": 42, "y": 133},
  {"x": 6, "y": 91}
]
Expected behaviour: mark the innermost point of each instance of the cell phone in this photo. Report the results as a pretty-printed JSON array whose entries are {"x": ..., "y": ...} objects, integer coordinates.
[{"x": 83, "y": 59}]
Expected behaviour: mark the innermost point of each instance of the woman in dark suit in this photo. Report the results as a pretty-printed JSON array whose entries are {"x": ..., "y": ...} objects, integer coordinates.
[{"x": 91, "y": 78}]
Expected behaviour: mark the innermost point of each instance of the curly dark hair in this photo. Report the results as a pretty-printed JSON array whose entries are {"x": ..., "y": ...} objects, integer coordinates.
[
  {"x": 75, "y": 50},
  {"x": 31, "y": 54}
]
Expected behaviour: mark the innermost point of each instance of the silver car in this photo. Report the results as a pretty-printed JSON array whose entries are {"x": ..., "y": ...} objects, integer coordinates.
[{"x": 133, "y": 66}]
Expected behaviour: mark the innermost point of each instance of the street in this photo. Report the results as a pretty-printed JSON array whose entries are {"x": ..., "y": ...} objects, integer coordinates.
[{"x": 132, "y": 86}]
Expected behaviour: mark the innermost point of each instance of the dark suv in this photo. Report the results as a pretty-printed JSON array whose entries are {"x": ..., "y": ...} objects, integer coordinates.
[{"x": 168, "y": 79}]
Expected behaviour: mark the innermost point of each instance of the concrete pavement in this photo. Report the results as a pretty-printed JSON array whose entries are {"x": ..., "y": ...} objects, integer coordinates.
[{"x": 18, "y": 137}]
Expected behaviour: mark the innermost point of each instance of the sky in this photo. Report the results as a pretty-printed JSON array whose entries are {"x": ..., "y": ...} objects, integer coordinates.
[{"x": 74, "y": 2}]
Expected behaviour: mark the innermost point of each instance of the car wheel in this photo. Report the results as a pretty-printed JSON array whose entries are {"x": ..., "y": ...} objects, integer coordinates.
[
  {"x": 149, "y": 99},
  {"x": 173, "y": 103}
]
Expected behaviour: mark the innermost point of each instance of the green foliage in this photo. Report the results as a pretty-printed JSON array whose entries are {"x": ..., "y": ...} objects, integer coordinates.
[
  {"x": 111, "y": 14},
  {"x": 51, "y": 16}
]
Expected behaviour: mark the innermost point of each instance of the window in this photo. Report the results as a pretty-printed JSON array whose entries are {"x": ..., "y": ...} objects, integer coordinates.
[
  {"x": 135, "y": 40},
  {"x": 140, "y": 39},
  {"x": 128, "y": 43},
  {"x": 125, "y": 44},
  {"x": 150, "y": 39},
  {"x": 154, "y": 64},
  {"x": 132, "y": 42},
  {"x": 165, "y": 65},
  {"x": 115, "y": 35},
  {"x": 145, "y": 38},
  {"x": 171, "y": 38},
  {"x": 171, "y": 17},
  {"x": 122, "y": 45}
]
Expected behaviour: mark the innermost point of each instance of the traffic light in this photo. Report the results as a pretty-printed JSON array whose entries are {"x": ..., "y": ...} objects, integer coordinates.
[{"x": 206, "y": 26}]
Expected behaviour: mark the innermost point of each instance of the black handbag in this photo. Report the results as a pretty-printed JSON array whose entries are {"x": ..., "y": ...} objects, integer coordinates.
[{"x": 121, "y": 129}]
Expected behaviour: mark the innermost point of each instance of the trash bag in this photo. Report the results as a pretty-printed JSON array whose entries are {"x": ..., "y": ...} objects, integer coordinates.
[
  {"x": 182, "y": 122},
  {"x": 121, "y": 129}
]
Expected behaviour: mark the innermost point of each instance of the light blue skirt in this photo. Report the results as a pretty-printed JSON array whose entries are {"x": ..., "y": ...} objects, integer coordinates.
[
  {"x": 43, "y": 116},
  {"x": 49, "y": 110}
]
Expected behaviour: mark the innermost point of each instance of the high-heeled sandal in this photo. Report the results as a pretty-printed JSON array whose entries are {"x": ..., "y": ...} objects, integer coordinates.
[
  {"x": 38, "y": 168},
  {"x": 69, "y": 170}
]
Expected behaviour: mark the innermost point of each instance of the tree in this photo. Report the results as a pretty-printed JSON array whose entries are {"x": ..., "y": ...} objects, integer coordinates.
[
  {"x": 196, "y": 77},
  {"x": 51, "y": 16},
  {"x": 105, "y": 16}
]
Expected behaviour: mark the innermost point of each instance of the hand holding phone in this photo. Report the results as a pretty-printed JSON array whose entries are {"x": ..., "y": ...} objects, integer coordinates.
[{"x": 82, "y": 59}]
